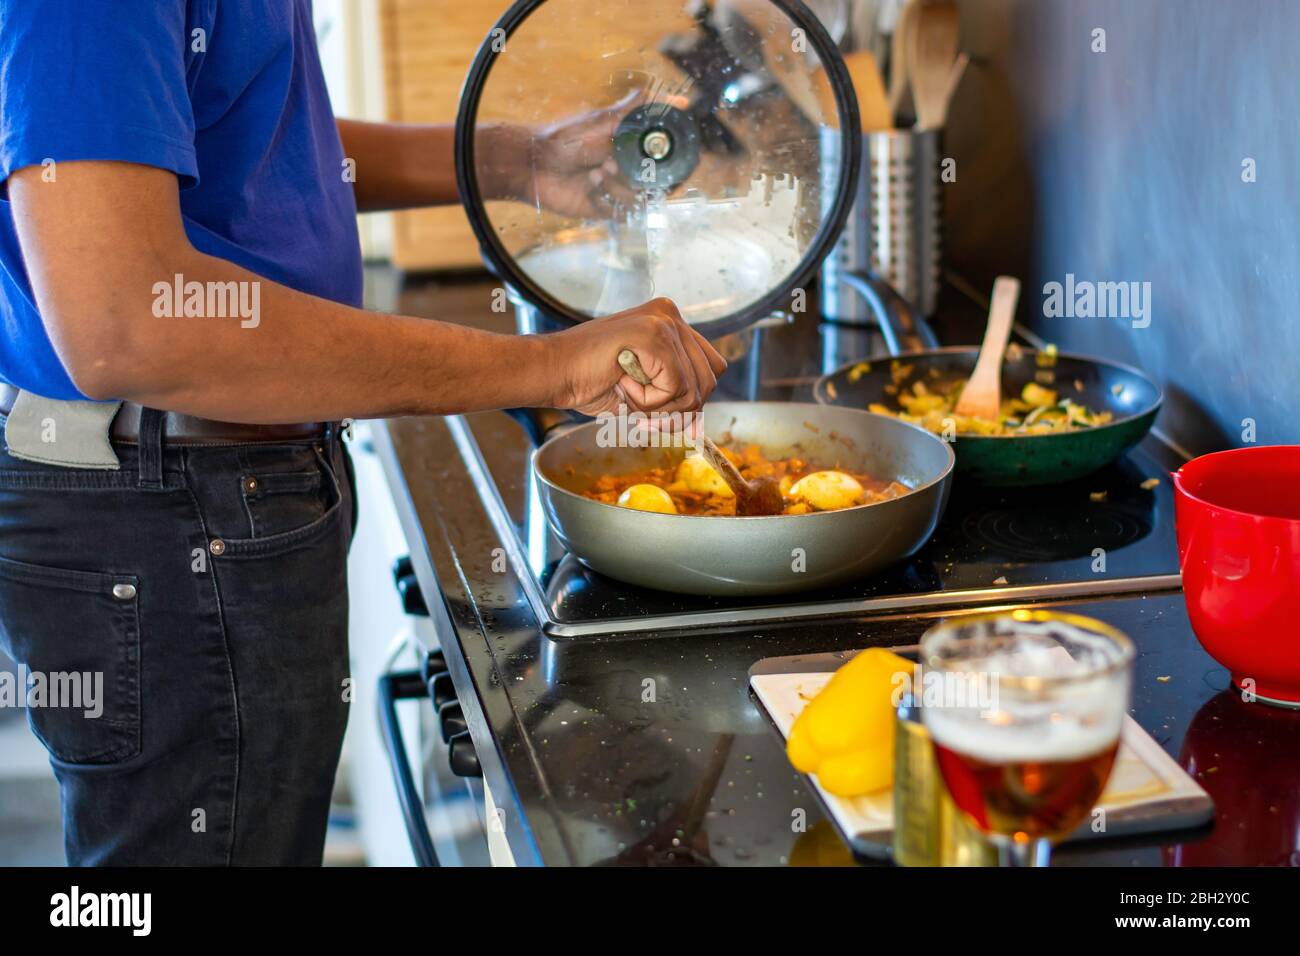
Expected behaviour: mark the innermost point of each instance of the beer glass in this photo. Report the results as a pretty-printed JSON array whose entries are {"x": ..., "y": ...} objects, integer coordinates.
[{"x": 1025, "y": 709}]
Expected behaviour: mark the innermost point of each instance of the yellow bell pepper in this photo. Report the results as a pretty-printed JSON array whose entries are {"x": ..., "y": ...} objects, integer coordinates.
[{"x": 846, "y": 733}]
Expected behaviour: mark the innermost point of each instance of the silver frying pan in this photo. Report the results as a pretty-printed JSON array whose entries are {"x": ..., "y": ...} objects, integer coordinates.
[{"x": 776, "y": 554}]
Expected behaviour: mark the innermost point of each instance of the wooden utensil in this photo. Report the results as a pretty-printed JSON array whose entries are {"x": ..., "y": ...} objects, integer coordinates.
[
  {"x": 900, "y": 46},
  {"x": 761, "y": 496},
  {"x": 940, "y": 116},
  {"x": 630, "y": 364},
  {"x": 873, "y": 104},
  {"x": 933, "y": 52},
  {"x": 982, "y": 396},
  {"x": 756, "y": 498}
]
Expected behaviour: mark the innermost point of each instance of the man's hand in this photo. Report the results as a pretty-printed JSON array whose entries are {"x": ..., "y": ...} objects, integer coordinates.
[
  {"x": 683, "y": 367},
  {"x": 576, "y": 173},
  {"x": 567, "y": 167}
]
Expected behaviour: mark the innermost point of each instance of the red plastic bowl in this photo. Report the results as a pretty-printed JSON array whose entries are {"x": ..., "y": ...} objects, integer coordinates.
[{"x": 1238, "y": 516}]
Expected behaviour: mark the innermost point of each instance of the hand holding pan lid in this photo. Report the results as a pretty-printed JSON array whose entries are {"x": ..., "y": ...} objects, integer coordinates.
[{"x": 612, "y": 151}]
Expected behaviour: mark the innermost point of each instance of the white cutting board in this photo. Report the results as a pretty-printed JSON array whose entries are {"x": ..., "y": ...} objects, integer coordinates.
[{"x": 1147, "y": 791}]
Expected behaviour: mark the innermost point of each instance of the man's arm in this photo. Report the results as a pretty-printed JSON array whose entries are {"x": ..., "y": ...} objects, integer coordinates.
[
  {"x": 566, "y": 166},
  {"x": 97, "y": 240},
  {"x": 399, "y": 165}
]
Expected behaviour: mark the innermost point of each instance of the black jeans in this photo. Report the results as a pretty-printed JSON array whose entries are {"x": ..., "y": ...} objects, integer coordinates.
[{"x": 207, "y": 586}]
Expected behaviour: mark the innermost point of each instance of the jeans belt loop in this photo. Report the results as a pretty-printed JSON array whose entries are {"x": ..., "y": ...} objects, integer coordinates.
[{"x": 151, "y": 448}]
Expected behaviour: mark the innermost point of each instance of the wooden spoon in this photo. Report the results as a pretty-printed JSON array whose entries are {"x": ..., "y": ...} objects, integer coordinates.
[
  {"x": 756, "y": 498},
  {"x": 982, "y": 396},
  {"x": 900, "y": 47},
  {"x": 940, "y": 109},
  {"x": 935, "y": 45}
]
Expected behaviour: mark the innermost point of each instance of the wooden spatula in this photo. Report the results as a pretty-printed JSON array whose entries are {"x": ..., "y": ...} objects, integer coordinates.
[
  {"x": 873, "y": 105},
  {"x": 935, "y": 45},
  {"x": 900, "y": 47},
  {"x": 982, "y": 396},
  {"x": 756, "y": 498}
]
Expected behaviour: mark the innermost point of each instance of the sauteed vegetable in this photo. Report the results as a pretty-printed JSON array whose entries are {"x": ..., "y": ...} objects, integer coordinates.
[
  {"x": 692, "y": 487},
  {"x": 1038, "y": 410}
]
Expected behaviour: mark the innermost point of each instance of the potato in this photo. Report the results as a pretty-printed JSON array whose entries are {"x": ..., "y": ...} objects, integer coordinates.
[
  {"x": 647, "y": 498},
  {"x": 1038, "y": 396},
  {"x": 828, "y": 490},
  {"x": 698, "y": 476}
]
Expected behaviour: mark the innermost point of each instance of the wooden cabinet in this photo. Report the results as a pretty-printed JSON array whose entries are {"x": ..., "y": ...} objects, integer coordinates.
[{"x": 428, "y": 46}]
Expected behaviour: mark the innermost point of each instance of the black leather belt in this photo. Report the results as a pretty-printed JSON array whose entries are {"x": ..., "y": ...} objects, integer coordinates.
[{"x": 179, "y": 429}]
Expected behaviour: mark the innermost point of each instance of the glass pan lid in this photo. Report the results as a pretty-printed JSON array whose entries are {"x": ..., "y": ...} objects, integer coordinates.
[{"x": 612, "y": 151}]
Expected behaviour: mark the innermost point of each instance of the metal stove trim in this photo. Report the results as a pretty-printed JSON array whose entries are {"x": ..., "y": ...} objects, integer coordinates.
[
  {"x": 971, "y": 597},
  {"x": 463, "y": 436},
  {"x": 520, "y": 831}
]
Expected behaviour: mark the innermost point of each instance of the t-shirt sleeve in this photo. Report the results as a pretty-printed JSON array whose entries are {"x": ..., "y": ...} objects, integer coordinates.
[{"x": 95, "y": 80}]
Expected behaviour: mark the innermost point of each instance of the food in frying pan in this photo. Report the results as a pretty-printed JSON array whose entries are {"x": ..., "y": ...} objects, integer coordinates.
[
  {"x": 827, "y": 490},
  {"x": 647, "y": 497},
  {"x": 1038, "y": 410},
  {"x": 700, "y": 478},
  {"x": 692, "y": 487}
]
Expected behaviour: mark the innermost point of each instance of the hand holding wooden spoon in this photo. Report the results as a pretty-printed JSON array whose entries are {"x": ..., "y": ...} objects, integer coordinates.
[{"x": 756, "y": 498}]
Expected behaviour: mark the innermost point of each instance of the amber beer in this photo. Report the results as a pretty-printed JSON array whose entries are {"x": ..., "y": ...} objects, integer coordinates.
[
  {"x": 1027, "y": 767},
  {"x": 1026, "y": 798}
]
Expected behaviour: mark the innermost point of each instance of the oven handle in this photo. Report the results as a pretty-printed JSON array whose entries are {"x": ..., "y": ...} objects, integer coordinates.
[{"x": 395, "y": 686}]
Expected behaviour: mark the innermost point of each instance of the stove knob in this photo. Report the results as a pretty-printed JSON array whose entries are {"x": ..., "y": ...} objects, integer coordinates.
[
  {"x": 409, "y": 588},
  {"x": 433, "y": 665},
  {"x": 412, "y": 597},
  {"x": 442, "y": 691},
  {"x": 463, "y": 757},
  {"x": 452, "y": 720}
]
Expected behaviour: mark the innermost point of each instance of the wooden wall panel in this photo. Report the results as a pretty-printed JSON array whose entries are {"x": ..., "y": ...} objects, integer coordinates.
[{"x": 428, "y": 46}]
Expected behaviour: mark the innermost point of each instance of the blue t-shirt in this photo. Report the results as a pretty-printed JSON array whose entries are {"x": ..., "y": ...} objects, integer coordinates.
[{"x": 227, "y": 94}]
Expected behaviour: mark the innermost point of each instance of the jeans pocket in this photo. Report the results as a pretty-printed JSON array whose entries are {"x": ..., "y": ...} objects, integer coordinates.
[
  {"x": 288, "y": 510},
  {"x": 277, "y": 502},
  {"x": 76, "y": 637}
]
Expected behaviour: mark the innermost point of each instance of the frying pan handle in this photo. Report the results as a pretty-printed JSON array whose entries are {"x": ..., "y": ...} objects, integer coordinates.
[
  {"x": 540, "y": 423},
  {"x": 902, "y": 328}
]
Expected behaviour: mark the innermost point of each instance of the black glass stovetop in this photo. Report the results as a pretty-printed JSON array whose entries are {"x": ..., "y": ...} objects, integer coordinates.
[{"x": 1109, "y": 533}]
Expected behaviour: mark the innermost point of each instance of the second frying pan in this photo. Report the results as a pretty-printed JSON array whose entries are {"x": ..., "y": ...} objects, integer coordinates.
[{"x": 1006, "y": 460}]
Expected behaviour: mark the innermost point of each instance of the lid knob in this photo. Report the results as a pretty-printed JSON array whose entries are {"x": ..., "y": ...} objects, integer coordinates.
[{"x": 657, "y": 144}]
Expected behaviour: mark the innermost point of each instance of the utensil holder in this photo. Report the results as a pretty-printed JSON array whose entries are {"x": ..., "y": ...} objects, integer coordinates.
[{"x": 894, "y": 229}]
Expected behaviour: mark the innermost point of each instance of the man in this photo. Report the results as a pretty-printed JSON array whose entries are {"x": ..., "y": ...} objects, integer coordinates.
[{"x": 186, "y": 548}]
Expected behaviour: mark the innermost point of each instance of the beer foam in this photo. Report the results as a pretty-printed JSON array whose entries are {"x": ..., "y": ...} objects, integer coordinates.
[
  {"x": 1048, "y": 720},
  {"x": 1027, "y": 658}
]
